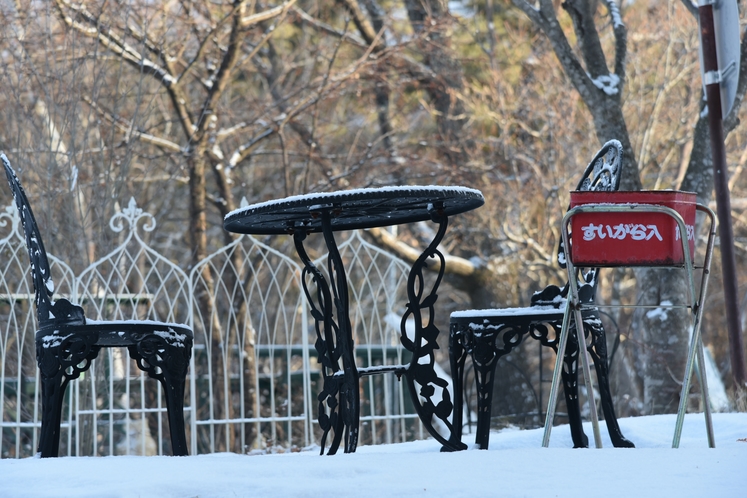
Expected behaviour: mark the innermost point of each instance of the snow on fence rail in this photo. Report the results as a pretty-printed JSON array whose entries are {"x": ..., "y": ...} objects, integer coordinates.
[{"x": 254, "y": 375}]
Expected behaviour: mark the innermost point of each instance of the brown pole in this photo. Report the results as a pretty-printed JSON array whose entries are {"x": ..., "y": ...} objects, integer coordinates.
[{"x": 723, "y": 203}]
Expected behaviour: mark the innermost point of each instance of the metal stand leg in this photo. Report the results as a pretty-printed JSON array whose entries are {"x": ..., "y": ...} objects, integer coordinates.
[
  {"x": 696, "y": 344},
  {"x": 553, "y": 401},
  {"x": 694, "y": 353},
  {"x": 572, "y": 305},
  {"x": 584, "y": 354},
  {"x": 701, "y": 370}
]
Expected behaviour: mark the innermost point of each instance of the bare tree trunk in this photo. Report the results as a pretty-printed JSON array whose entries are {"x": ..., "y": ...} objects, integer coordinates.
[
  {"x": 662, "y": 338},
  {"x": 382, "y": 89},
  {"x": 430, "y": 19},
  {"x": 599, "y": 88}
]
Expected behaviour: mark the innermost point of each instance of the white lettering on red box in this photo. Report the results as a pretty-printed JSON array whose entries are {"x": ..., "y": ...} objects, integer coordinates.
[
  {"x": 635, "y": 231},
  {"x": 690, "y": 232},
  {"x": 621, "y": 231}
]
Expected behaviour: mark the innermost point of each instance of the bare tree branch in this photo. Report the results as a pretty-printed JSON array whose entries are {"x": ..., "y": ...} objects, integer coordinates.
[
  {"x": 128, "y": 128},
  {"x": 546, "y": 19},
  {"x": 246, "y": 149},
  {"x": 454, "y": 264},
  {"x": 259, "y": 17},
  {"x": 360, "y": 21},
  {"x": 204, "y": 44},
  {"x": 621, "y": 40},
  {"x": 326, "y": 28},
  {"x": 129, "y": 55}
]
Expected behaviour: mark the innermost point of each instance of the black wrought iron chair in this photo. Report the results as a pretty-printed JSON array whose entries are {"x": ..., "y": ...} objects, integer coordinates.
[
  {"x": 488, "y": 335},
  {"x": 67, "y": 342}
]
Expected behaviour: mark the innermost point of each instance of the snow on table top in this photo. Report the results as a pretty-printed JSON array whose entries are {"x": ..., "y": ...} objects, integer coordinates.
[{"x": 341, "y": 194}]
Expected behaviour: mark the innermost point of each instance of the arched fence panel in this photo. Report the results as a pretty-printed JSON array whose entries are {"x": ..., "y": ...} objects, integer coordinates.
[
  {"x": 252, "y": 374},
  {"x": 119, "y": 409}
]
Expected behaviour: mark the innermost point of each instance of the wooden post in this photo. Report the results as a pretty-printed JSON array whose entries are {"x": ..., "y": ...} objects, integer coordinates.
[{"x": 721, "y": 184}]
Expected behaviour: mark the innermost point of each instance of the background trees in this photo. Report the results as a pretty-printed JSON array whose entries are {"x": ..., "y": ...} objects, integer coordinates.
[{"x": 191, "y": 105}]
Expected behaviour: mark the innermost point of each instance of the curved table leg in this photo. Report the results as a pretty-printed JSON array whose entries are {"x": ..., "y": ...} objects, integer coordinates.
[
  {"x": 350, "y": 397},
  {"x": 429, "y": 392},
  {"x": 326, "y": 347}
]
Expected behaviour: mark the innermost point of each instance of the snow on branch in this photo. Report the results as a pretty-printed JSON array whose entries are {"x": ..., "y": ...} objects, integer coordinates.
[
  {"x": 609, "y": 84},
  {"x": 614, "y": 11},
  {"x": 267, "y": 14},
  {"x": 621, "y": 37}
]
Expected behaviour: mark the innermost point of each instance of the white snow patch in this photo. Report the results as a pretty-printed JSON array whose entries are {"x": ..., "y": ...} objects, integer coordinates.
[
  {"x": 607, "y": 83},
  {"x": 660, "y": 313},
  {"x": 652, "y": 469},
  {"x": 617, "y": 21}
]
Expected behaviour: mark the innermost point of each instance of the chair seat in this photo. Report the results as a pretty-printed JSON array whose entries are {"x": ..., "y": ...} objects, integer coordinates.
[
  {"x": 119, "y": 332},
  {"x": 515, "y": 316},
  {"x": 64, "y": 351},
  {"x": 525, "y": 314}
]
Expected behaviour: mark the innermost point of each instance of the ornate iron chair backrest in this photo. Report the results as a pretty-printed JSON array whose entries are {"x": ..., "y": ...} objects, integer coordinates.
[
  {"x": 603, "y": 173},
  {"x": 47, "y": 311}
]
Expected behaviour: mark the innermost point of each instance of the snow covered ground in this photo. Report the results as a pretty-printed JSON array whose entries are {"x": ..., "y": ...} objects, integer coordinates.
[{"x": 515, "y": 466}]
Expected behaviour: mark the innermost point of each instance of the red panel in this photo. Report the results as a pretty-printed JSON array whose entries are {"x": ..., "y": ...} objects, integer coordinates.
[{"x": 631, "y": 239}]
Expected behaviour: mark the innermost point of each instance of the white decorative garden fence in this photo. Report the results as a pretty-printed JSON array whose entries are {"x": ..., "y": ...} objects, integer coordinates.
[{"x": 254, "y": 374}]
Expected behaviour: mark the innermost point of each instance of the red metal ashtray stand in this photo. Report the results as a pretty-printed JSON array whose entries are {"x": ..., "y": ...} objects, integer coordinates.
[{"x": 634, "y": 229}]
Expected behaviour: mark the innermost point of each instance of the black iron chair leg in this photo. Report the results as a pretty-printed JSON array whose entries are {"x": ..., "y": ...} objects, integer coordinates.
[
  {"x": 174, "y": 380},
  {"x": 167, "y": 363},
  {"x": 54, "y": 360},
  {"x": 53, "y": 392},
  {"x": 598, "y": 351},
  {"x": 53, "y": 386},
  {"x": 570, "y": 388},
  {"x": 484, "y": 380},
  {"x": 174, "y": 389},
  {"x": 457, "y": 357}
]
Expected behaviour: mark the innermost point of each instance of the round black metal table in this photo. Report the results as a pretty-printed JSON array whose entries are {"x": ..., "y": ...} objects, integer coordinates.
[
  {"x": 326, "y": 213},
  {"x": 352, "y": 209}
]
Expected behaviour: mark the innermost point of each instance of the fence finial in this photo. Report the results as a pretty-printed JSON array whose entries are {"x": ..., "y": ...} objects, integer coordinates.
[{"x": 132, "y": 214}]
